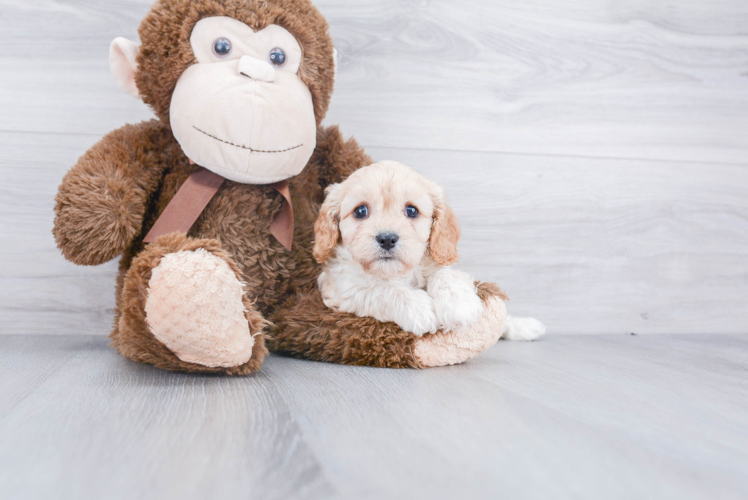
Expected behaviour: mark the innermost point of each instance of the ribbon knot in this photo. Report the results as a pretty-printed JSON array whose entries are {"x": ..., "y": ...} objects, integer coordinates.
[{"x": 195, "y": 194}]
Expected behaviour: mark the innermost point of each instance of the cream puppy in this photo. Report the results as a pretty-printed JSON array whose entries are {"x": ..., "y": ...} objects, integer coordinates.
[{"x": 386, "y": 239}]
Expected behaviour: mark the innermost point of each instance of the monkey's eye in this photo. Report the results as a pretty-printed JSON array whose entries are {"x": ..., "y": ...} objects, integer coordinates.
[
  {"x": 361, "y": 212},
  {"x": 222, "y": 47},
  {"x": 277, "y": 57},
  {"x": 411, "y": 212}
]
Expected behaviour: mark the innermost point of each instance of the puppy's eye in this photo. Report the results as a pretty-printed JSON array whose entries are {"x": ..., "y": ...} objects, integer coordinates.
[
  {"x": 411, "y": 212},
  {"x": 222, "y": 47},
  {"x": 361, "y": 212},
  {"x": 277, "y": 57}
]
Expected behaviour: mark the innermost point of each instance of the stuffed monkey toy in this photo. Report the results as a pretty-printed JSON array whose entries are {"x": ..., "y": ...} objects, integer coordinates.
[{"x": 211, "y": 205}]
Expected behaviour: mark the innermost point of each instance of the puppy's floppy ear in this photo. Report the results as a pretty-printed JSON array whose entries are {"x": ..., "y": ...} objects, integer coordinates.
[
  {"x": 445, "y": 233},
  {"x": 326, "y": 231}
]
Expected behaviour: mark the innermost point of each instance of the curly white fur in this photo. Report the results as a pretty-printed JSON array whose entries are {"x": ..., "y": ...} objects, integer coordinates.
[{"x": 449, "y": 301}]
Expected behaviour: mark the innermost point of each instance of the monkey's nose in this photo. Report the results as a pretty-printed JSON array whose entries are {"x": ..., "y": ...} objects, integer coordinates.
[
  {"x": 387, "y": 240},
  {"x": 256, "y": 69}
]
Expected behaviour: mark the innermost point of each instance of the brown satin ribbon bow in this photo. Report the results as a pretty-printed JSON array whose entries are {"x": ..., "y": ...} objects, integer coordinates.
[{"x": 195, "y": 194}]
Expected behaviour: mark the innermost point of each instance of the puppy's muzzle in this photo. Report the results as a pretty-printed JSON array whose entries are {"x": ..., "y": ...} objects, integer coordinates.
[{"x": 387, "y": 240}]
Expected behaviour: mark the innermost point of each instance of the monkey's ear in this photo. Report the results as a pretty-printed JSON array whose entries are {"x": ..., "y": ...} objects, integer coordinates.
[
  {"x": 326, "y": 231},
  {"x": 122, "y": 54}
]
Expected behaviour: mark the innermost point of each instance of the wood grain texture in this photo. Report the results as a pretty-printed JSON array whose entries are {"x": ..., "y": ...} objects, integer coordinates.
[
  {"x": 628, "y": 79},
  {"x": 40, "y": 292},
  {"x": 584, "y": 417},
  {"x": 602, "y": 246},
  {"x": 101, "y": 427}
]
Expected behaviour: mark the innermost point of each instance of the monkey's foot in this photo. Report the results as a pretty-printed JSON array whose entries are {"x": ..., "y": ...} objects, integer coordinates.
[
  {"x": 195, "y": 308},
  {"x": 458, "y": 346},
  {"x": 184, "y": 308}
]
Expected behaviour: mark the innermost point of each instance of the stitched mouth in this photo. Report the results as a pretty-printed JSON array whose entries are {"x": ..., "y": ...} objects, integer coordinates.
[{"x": 246, "y": 147}]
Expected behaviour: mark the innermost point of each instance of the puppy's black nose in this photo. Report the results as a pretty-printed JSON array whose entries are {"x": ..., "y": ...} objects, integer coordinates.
[{"x": 387, "y": 240}]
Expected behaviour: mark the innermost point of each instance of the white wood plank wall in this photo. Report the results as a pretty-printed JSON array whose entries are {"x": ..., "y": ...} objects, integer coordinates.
[{"x": 596, "y": 151}]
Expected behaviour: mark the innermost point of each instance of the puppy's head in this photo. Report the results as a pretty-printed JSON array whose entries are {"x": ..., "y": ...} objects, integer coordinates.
[{"x": 387, "y": 216}]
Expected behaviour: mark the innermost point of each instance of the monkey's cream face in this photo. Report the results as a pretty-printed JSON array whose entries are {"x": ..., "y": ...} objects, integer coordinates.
[
  {"x": 385, "y": 217},
  {"x": 242, "y": 111}
]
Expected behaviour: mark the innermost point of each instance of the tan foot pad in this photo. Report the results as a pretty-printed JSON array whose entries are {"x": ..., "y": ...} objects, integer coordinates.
[
  {"x": 194, "y": 307},
  {"x": 441, "y": 349}
]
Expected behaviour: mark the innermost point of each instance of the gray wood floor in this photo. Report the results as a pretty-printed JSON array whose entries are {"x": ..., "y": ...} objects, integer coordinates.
[{"x": 584, "y": 417}]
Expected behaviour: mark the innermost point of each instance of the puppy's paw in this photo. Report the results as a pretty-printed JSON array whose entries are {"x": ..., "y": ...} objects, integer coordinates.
[
  {"x": 523, "y": 329},
  {"x": 419, "y": 317},
  {"x": 456, "y": 302},
  {"x": 462, "y": 311}
]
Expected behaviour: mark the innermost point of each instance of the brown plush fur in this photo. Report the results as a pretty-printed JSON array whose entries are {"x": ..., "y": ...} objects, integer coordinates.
[
  {"x": 131, "y": 335},
  {"x": 306, "y": 328},
  {"x": 111, "y": 198},
  {"x": 102, "y": 200},
  {"x": 108, "y": 202},
  {"x": 488, "y": 290}
]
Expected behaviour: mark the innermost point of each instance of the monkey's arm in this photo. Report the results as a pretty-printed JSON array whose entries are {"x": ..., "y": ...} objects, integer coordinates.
[
  {"x": 305, "y": 328},
  {"x": 335, "y": 157},
  {"x": 102, "y": 199}
]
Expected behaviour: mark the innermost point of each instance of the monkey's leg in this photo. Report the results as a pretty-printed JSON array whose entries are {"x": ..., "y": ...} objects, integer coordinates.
[
  {"x": 183, "y": 308},
  {"x": 460, "y": 345},
  {"x": 306, "y": 328}
]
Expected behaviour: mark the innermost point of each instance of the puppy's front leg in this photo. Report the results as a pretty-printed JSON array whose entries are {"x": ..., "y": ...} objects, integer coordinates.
[
  {"x": 411, "y": 309},
  {"x": 456, "y": 301},
  {"x": 414, "y": 312}
]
